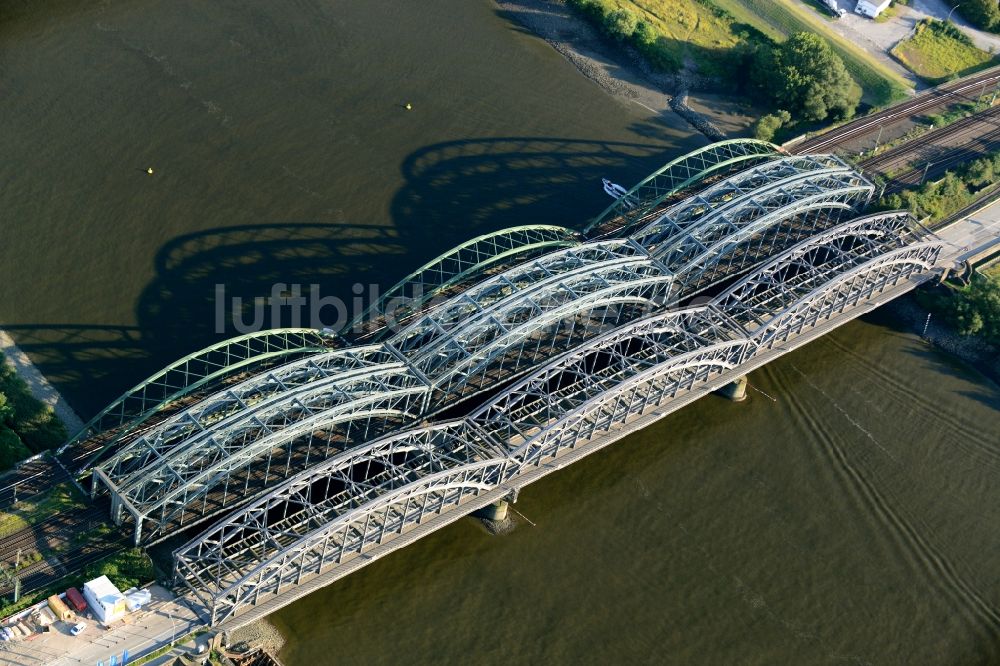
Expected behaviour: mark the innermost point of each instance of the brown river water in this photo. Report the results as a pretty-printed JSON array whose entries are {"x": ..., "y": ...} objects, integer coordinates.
[{"x": 853, "y": 518}]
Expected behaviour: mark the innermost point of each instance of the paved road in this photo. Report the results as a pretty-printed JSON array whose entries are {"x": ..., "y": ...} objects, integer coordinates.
[
  {"x": 974, "y": 235},
  {"x": 165, "y": 618},
  {"x": 939, "y": 9}
]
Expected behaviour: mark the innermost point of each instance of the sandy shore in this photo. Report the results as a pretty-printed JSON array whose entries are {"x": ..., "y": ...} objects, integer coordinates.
[{"x": 619, "y": 69}]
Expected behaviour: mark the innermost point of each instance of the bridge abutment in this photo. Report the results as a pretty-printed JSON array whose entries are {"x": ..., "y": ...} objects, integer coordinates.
[{"x": 736, "y": 390}]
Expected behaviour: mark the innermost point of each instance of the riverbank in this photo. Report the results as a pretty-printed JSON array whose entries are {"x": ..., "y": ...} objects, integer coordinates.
[
  {"x": 261, "y": 633},
  {"x": 620, "y": 70},
  {"x": 38, "y": 385},
  {"x": 971, "y": 350}
]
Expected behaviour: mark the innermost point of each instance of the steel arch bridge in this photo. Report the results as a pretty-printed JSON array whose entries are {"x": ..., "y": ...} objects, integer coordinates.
[
  {"x": 237, "y": 442},
  {"x": 517, "y": 352},
  {"x": 457, "y": 267},
  {"x": 640, "y": 371}
]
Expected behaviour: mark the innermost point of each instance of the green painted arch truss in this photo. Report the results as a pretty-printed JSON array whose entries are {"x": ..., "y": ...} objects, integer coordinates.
[
  {"x": 677, "y": 175},
  {"x": 182, "y": 378},
  {"x": 457, "y": 267}
]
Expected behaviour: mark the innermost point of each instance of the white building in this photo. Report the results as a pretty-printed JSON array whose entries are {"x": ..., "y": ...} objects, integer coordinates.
[
  {"x": 872, "y": 8},
  {"x": 106, "y": 600}
]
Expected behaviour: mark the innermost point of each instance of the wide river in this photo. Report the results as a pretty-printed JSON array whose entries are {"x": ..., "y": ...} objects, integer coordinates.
[{"x": 848, "y": 513}]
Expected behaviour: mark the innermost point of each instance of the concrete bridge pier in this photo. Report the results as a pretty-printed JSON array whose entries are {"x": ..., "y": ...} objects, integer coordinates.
[
  {"x": 736, "y": 390},
  {"x": 497, "y": 512},
  {"x": 496, "y": 517}
]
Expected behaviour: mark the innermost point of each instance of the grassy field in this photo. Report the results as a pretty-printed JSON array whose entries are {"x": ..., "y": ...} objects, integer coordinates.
[
  {"x": 688, "y": 30},
  {"x": 780, "y": 18},
  {"x": 938, "y": 51},
  {"x": 702, "y": 31}
]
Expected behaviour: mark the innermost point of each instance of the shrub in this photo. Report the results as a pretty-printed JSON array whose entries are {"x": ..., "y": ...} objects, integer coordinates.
[
  {"x": 971, "y": 310},
  {"x": 620, "y": 24},
  {"x": 126, "y": 569},
  {"x": 33, "y": 421},
  {"x": 767, "y": 126},
  {"x": 12, "y": 449}
]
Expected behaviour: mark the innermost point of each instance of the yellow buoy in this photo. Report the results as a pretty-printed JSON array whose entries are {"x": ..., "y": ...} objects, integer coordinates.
[
  {"x": 408, "y": 106},
  {"x": 150, "y": 171}
]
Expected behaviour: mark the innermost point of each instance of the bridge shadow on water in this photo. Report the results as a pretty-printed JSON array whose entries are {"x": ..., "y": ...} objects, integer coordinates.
[{"x": 452, "y": 192}]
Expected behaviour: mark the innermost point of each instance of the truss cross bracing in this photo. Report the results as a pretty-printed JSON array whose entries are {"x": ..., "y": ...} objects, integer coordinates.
[{"x": 536, "y": 342}]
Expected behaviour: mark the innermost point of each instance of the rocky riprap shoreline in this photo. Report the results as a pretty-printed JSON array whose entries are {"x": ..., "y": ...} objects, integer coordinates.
[
  {"x": 261, "y": 634},
  {"x": 971, "y": 349}
]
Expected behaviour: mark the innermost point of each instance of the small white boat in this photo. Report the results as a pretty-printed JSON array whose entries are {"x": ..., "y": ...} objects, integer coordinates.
[{"x": 616, "y": 191}]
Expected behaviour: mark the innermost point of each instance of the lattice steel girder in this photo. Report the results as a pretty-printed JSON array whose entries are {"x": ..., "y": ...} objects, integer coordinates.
[
  {"x": 484, "y": 298},
  {"x": 220, "y": 409},
  {"x": 814, "y": 262},
  {"x": 460, "y": 265},
  {"x": 194, "y": 371},
  {"x": 683, "y": 172},
  {"x": 803, "y": 173},
  {"x": 761, "y": 239},
  {"x": 849, "y": 289},
  {"x": 690, "y": 342},
  {"x": 677, "y": 242},
  {"x": 195, "y": 481},
  {"x": 479, "y": 359},
  {"x": 335, "y": 511},
  {"x": 148, "y": 464}
]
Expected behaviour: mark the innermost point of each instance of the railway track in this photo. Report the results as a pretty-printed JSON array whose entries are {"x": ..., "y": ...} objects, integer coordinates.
[
  {"x": 957, "y": 134},
  {"x": 55, "y": 539},
  {"x": 29, "y": 480},
  {"x": 949, "y": 93},
  {"x": 987, "y": 143},
  {"x": 50, "y": 532}
]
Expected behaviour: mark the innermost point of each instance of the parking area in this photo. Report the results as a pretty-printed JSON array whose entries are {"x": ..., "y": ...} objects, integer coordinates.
[
  {"x": 878, "y": 37},
  {"x": 163, "y": 619}
]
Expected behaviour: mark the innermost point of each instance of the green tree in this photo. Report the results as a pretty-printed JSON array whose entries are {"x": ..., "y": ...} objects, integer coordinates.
[
  {"x": 621, "y": 24},
  {"x": 806, "y": 77},
  {"x": 984, "y": 13},
  {"x": 971, "y": 310},
  {"x": 129, "y": 568},
  {"x": 6, "y": 411},
  {"x": 768, "y": 125},
  {"x": 33, "y": 421},
  {"x": 12, "y": 449}
]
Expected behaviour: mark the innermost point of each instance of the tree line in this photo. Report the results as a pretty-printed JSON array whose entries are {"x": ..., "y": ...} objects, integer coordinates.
[{"x": 27, "y": 426}]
